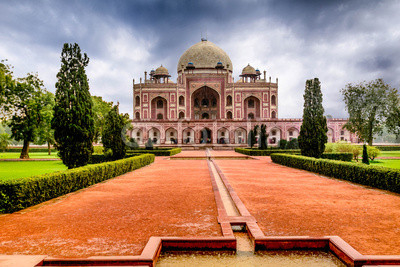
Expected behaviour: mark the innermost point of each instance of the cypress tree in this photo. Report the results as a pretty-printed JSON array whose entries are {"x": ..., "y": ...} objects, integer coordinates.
[
  {"x": 313, "y": 130},
  {"x": 73, "y": 122},
  {"x": 263, "y": 137},
  {"x": 250, "y": 139},
  {"x": 365, "y": 159},
  {"x": 112, "y": 136}
]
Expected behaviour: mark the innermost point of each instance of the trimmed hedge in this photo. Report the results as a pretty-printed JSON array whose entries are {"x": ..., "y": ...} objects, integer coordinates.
[
  {"x": 157, "y": 152},
  {"x": 343, "y": 156},
  {"x": 388, "y": 148},
  {"x": 265, "y": 152},
  {"x": 378, "y": 177},
  {"x": 25, "y": 192}
]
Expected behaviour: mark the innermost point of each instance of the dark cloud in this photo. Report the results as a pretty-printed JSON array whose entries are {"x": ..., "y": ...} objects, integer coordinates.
[{"x": 337, "y": 41}]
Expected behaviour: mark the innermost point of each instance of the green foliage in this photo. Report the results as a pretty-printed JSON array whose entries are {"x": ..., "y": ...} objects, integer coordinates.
[
  {"x": 373, "y": 152},
  {"x": 293, "y": 144},
  {"x": 343, "y": 147},
  {"x": 113, "y": 130},
  {"x": 263, "y": 137},
  {"x": 370, "y": 105},
  {"x": 343, "y": 156},
  {"x": 45, "y": 133},
  {"x": 25, "y": 192},
  {"x": 313, "y": 130},
  {"x": 73, "y": 121},
  {"x": 100, "y": 111},
  {"x": 98, "y": 149},
  {"x": 266, "y": 152},
  {"x": 149, "y": 144},
  {"x": 251, "y": 139},
  {"x": 133, "y": 143},
  {"x": 5, "y": 140},
  {"x": 157, "y": 152},
  {"x": 365, "y": 159},
  {"x": 388, "y": 148},
  {"x": 378, "y": 177},
  {"x": 32, "y": 150},
  {"x": 282, "y": 143},
  {"x": 7, "y": 84}
]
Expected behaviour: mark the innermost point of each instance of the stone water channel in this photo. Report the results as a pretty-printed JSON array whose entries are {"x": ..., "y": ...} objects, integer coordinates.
[{"x": 245, "y": 254}]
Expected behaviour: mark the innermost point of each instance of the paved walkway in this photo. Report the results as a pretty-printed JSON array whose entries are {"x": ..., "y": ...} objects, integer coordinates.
[
  {"x": 167, "y": 198},
  {"x": 175, "y": 198},
  {"x": 287, "y": 201}
]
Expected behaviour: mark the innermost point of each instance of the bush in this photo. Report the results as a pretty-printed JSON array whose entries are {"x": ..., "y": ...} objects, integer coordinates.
[
  {"x": 32, "y": 149},
  {"x": 378, "y": 177},
  {"x": 342, "y": 156},
  {"x": 293, "y": 144},
  {"x": 388, "y": 148},
  {"x": 342, "y": 147},
  {"x": 158, "y": 152},
  {"x": 25, "y": 192},
  {"x": 149, "y": 144},
  {"x": 373, "y": 152},
  {"x": 282, "y": 144},
  {"x": 98, "y": 149}
]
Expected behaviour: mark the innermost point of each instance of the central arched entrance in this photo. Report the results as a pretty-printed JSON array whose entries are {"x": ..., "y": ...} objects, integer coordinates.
[
  {"x": 205, "y": 104},
  {"x": 205, "y": 136}
]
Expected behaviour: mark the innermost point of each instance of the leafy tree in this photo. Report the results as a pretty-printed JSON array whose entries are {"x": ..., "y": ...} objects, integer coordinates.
[
  {"x": 5, "y": 140},
  {"x": 7, "y": 83},
  {"x": 373, "y": 152},
  {"x": 100, "y": 111},
  {"x": 73, "y": 121},
  {"x": 45, "y": 134},
  {"x": 313, "y": 130},
  {"x": 25, "y": 102},
  {"x": 113, "y": 131},
  {"x": 263, "y": 137},
  {"x": 365, "y": 159},
  {"x": 369, "y": 106}
]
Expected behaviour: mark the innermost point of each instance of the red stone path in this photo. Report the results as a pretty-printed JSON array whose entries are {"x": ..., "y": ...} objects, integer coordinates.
[
  {"x": 288, "y": 201},
  {"x": 167, "y": 198}
]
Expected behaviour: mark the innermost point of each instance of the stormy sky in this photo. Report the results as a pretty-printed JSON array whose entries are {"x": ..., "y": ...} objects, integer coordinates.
[{"x": 339, "y": 42}]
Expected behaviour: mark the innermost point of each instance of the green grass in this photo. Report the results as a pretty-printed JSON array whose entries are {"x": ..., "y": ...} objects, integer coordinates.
[
  {"x": 389, "y": 163},
  {"x": 389, "y": 154},
  {"x": 32, "y": 155},
  {"x": 18, "y": 169}
]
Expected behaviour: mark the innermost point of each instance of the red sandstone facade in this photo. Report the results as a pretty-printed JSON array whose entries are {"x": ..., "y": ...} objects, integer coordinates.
[{"x": 206, "y": 105}]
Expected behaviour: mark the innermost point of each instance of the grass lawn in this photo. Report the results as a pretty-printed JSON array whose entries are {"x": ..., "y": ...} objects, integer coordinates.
[
  {"x": 390, "y": 163},
  {"x": 32, "y": 155},
  {"x": 18, "y": 169},
  {"x": 389, "y": 154}
]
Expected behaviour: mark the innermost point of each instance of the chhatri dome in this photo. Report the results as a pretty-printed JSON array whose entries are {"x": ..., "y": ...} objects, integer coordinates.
[{"x": 204, "y": 54}]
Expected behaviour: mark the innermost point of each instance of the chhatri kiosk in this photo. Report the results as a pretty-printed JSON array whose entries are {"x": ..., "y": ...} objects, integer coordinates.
[{"x": 206, "y": 106}]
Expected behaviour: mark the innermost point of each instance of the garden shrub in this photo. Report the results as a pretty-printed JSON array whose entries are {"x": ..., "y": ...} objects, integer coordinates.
[
  {"x": 31, "y": 150},
  {"x": 373, "y": 152},
  {"x": 25, "y": 192},
  {"x": 388, "y": 148},
  {"x": 342, "y": 156},
  {"x": 282, "y": 144},
  {"x": 264, "y": 152},
  {"x": 98, "y": 149},
  {"x": 374, "y": 176}
]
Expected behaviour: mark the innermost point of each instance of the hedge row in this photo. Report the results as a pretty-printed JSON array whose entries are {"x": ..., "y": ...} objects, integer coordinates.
[
  {"x": 378, "y": 177},
  {"x": 343, "y": 156},
  {"x": 25, "y": 192},
  {"x": 265, "y": 152},
  {"x": 388, "y": 148},
  {"x": 157, "y": 152}
]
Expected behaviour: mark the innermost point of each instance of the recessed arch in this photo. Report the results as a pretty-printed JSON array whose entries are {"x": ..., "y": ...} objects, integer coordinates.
[
  {"x": 181, "y": 100},
  {"x": 137, "y": 115},
  {"x": 159, "y": 106},
  {"x": 137, "y": 101},
  {"x": 229, "y": 100},
  {"x": 155, "y": 135},
  {"x": 205, "y": 100},
  {"x": 181, "y": 115},
  {"x": 188, "y": 136},
  {"x": 229, "y": 115},
  {"x": 240, "y": 136},
  {"x": 252, "y": 106},
  {"x": 223, "y": 136},
  {"x": 273, "y": 100},
  {"x": 273, "y": 114},
  {"x": 171, "y": 136}
]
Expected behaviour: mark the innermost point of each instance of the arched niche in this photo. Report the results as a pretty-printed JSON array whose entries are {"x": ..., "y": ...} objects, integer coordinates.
[
  {"x": 205, "y": 100},
  {"x": 159, "y": 106}
]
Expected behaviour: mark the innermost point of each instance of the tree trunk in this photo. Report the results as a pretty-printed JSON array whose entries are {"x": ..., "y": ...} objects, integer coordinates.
[
  {"x": 48, "y": 147},
  {"x": 25, "y": 150}
]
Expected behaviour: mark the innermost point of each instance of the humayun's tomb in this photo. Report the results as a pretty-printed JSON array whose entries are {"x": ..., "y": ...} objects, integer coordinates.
[{"x": 206, "y": 105}]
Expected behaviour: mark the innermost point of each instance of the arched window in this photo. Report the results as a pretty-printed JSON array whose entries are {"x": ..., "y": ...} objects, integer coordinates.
[
  {"x": 160, "y": 104},
  {"x": 229, "y": 101},
  {"x": 181, "y": 101},
  {"x": 137, "y": 101},
  {"x": 159, "y": 116},
  {"x": 205, "y": 116},
  {"x": 273, "y": 100},
  {"x": 250, "y": 116},
  {"x": 137, "y": 115},
  {"x": 251, "y": 103},
  {"x": 181, "y": 115},
  {"x": 204, "y": 102},
  {"x": 273, "y": 115},
  {"x": 229, "y": 115}
]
